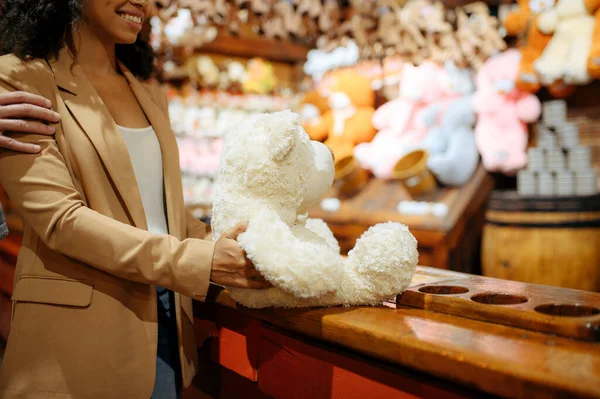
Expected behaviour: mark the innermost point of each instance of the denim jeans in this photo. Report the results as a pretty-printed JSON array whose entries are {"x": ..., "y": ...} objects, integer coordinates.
[
  {"x": 168, "y": 369},
  {"x": 3, "y": 226}
]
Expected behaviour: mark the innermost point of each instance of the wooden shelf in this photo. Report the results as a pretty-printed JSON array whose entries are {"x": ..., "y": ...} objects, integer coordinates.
[{"x": 249, "y": 47}]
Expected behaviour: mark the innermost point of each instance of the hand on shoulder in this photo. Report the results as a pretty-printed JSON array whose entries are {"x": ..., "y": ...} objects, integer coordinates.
[{"x": 24, "y": 113}]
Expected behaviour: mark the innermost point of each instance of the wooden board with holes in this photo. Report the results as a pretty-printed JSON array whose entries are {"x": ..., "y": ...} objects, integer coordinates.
[
  {"x": 565, "y": 312},
  {"x": 449, "y": 242}
]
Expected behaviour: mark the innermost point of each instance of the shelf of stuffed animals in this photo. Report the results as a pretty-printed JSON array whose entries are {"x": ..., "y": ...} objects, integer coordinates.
[{"x": 182, "y": 33}]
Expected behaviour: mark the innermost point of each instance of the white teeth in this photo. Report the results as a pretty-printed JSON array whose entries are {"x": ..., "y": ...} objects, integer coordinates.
[{"x": 131, "y": 18}]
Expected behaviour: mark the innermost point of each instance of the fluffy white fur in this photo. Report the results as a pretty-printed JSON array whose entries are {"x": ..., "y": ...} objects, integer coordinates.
[{"x": 270, "y": 174}]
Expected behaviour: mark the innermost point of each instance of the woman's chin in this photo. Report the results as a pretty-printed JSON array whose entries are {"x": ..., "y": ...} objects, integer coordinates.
[{"x": 126, "y": 39}]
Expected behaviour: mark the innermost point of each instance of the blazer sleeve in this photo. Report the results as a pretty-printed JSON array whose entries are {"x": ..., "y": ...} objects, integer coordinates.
[
  {"x": 43, "y": 192},
  {"x": 194, "y": 227}
]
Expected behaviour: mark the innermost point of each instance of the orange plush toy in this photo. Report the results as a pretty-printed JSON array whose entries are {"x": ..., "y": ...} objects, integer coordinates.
[
  {"x": 525, "y": 22},
  {"x": 594, "y": 58},
  {"x": 349, "y": 121},
  {"x": 311, "y": 109}
]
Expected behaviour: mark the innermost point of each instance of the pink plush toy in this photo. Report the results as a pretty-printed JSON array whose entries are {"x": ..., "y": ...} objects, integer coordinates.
[
  {"x": 398, "y": 122},
  {"x": 200, "y": 157},
  {"x": 503, "y": 113}
]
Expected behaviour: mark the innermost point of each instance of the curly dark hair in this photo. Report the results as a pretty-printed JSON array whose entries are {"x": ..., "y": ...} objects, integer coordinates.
[{"x": 41, "y": 28}]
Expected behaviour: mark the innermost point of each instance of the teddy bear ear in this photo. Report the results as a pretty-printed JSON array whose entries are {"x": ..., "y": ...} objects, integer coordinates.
[
  {"x": 283, "y": 136},
  {"x": 283, "y": 143}
]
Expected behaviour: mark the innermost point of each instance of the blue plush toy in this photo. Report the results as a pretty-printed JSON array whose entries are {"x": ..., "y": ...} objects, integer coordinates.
[{"x": 453, "y": 154}]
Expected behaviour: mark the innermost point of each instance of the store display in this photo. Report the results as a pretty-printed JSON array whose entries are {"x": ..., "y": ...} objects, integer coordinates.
[
  {"x": 594, "y": 57},
  {"x": 419, "y": 30},
  {"x": 349, "y": 120},
  {"x": 312, "y": 108},
  {"x": 571, "y": 25},
  {"x": 503, "y": 112},
  {"x": 558, "y": 165},
  {"x": 411, "y": 169},
  {"x": 270, "y": 174},
  {"x": 524, "y": 22},
  {"x": 398, "y": 122},
  {"x": 453, "y": 155}
]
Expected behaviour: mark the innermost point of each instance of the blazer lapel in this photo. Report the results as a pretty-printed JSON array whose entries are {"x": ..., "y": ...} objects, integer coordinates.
[
  {"x": 169, "y": 149},
  {"x": 89, "y": 111}
]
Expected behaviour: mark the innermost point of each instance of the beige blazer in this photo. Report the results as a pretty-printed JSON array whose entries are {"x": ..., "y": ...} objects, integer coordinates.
[{"x": 84, "y": 321}]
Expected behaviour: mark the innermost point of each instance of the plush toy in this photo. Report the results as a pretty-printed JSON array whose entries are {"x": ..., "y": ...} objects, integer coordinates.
[
  {"x": 398, "y": 122},
  {"x": 503, "y": 111},
  {"x": 566, "y": 57},
  {"x": 453, "y": 155},
  {"x": 311, "y": 109},
  {"x": 270, "y": 174},
  {"x": 260, "y": 78},
  {"x": 524, "y": 22},
  {"x": 349, "y": 122},
  {"x": 594, "y": 57}
]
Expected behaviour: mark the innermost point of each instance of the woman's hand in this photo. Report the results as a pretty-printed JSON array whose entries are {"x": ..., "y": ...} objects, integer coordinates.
[
  {"x": 15, "y": 108},
  {"x": 231, "y": 267}
]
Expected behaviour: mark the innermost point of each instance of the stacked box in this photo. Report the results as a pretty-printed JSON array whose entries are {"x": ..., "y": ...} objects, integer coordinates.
[{"x": 558, "y": 165}]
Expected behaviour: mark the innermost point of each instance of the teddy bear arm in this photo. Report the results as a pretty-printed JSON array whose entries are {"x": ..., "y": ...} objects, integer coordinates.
[
  {"x": 303, "y": 268},
  {"x": 548, "y": 21},
  {"x": 320, "y": 228},
  {"x": 383, "y": 115},
  {"x": 320, "y": 130},
  {"x": 362, "y": 129},
  {"x": 429, "y": 115},
  {"x": 529, "y": 108},
  {"x": 594, "y": 56},
  {"x": 516, "y": 22}
]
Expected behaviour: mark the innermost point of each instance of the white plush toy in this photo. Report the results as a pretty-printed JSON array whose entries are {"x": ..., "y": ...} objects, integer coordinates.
[
  {"x": 566, "y": 56},
  {"x": 270, "y": 174}
]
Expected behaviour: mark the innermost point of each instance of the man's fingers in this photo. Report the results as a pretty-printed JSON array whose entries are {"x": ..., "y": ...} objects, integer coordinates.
[
  {"x": 20, "y": 97},
  {"x": 20, "y": 111},
  {"x": 14, "y": 145},
  {"x": 236, "y": 231},
  {"x": 21, "y": 126}
]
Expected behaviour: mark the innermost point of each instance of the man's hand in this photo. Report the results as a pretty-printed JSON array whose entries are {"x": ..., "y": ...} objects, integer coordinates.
[
  {"x": 231, "y": 267},
  {"x": 16, "y": 111}
]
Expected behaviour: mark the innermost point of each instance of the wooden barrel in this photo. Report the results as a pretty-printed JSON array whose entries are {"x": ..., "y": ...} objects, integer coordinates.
[{"x": 551, "y": 241}]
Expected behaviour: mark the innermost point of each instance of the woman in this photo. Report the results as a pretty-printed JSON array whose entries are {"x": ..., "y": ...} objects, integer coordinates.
[{"x": 110, "y": 258}]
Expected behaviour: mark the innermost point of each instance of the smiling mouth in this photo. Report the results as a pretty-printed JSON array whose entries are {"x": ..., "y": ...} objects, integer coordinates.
[{"x": 131, "y": 18}]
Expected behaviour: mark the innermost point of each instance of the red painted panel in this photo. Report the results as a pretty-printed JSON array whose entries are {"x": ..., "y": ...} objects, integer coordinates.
[
  {"x": 5, "y": 316},
  {"x": 7, "y": 275},
  {"x": 291, "y": 369},
  {"x": 232, "y": 353}
]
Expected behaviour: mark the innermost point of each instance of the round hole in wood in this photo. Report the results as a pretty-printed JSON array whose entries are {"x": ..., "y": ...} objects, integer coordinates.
[
  {"x": 564, "y": 310},
  {"x": 443, "y": 289},
  {"x": 498, "y": 298}
]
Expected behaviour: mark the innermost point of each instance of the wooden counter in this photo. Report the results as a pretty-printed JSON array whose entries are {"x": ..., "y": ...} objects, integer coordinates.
[
  {"x": 451, "y": 242},
  {"x": 398, "y": 351}
]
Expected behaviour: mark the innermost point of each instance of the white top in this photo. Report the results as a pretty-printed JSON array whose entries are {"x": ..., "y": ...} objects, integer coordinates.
[{"x": 146, "y": 158}]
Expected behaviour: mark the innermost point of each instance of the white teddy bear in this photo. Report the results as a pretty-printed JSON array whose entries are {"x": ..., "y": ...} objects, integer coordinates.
[
  {"x": 271, "y": 173},
  {"x": 571, "y": 25}
]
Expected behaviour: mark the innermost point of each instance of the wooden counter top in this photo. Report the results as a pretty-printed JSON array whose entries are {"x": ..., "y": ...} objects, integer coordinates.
[{"x": 492, "y": 358}]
